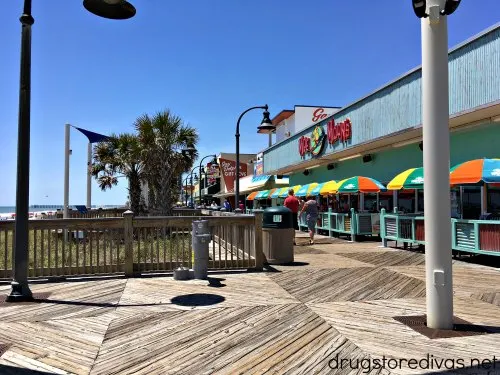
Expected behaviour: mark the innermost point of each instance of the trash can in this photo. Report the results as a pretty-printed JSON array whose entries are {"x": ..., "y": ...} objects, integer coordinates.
[{"x": 277, "y": 235}]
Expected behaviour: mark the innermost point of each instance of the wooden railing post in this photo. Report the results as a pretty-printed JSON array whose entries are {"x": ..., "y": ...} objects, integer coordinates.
[
  {"x": 259, "y": 254},
  {"x": 128, "y": 226}
]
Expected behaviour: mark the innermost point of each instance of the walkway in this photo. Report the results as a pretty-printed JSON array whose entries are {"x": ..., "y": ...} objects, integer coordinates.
[{"x": 338, "y": 301}]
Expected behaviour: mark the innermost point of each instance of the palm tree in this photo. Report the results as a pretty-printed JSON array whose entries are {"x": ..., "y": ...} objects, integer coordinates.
[
  {"x": 162, "y": 137},
  {"x": 120, "y": 156}
]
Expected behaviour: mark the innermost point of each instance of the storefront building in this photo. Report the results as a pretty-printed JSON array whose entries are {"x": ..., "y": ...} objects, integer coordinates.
[{"x": 380, "y": 135}]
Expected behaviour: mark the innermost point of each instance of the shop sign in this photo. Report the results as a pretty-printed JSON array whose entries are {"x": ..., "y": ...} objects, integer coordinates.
[
  {"x": 212, "y": 174},
  {"x": 341, "y": 131},
  {"x": 336, "y": 132},
  {"x": 228, "y": 169},
  {"x": 314, "y": 144},
  {"x": 258, "y": 168},
  {"x": 319, "y": 115}
]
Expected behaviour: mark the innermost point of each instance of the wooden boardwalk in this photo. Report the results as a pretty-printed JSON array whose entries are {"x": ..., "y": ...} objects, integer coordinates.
[{"x": 337, "y": 301}]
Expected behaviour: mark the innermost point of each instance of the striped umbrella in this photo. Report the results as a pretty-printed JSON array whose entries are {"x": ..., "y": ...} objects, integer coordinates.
[
  {"x": 252, "y": 196},
  {"x": 284, "y": 193},
  {"x": 261, "y": 194},
  {"x": 278, "y": 191},
  {"x": 412, "y": 178},
  {"x": 328, "y": 187},
  {"x": 315, "y": 191},
  {"x": 476, "y": 171},
  {"x": 359, "y": 184},
  {"x": 305, "y": 190}
]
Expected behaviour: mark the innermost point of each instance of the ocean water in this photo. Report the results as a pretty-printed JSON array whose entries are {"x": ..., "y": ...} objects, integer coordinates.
[{"x": 40, "y": 208}]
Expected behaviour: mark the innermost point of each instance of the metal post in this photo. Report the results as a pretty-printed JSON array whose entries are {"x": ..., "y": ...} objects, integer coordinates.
[
  {"x": 20, "y": 289},
  {"x": 436, "y": 153},
  {"x": 237, "y": 176},
  {"x": 191, "y": 188},
  {"x": 416, "y": 201},
  {"x": 67, "y": 152},
  {"x": 89, "y": 176}
]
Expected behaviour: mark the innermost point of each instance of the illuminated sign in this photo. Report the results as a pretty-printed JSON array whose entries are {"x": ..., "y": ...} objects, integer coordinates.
[
  {"x": 335, "y": 132},
  {"x": 313, "y": 144},
  {"x": 341, "y": 131}
]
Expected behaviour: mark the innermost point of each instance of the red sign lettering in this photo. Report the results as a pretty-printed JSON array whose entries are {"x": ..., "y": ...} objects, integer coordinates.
[
  {"x": 319, "y": 114},
  {"x": 339, "y": 132},
  {"x": 304, "y": 145}
]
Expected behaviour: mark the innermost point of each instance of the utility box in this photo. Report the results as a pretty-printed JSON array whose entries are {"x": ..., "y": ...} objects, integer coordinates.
[{"x": 278, "y": 235}]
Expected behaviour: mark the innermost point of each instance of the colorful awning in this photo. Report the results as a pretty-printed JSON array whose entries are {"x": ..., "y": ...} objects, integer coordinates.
[
  {"x": 328, "y": 187},
  {"x": 257, "y": 182},
  {"x": 476, "y": 171},
  {"x": 277, "y": 192},
  {"x": 306, "y": 189},
  {"x": 359, "y": 184},
  {"x": 315, "y": 191},
  {"x": 268, "y": 193},
  {"x": 262, "y": 194},
  {"x": 412, "y": 178},
  {"x": 284, "y": 193},
  {"x": 251, "y": 197}
]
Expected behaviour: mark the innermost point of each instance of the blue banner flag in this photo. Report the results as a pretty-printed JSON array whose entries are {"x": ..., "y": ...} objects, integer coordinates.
[{"x": 93, "y": 137}]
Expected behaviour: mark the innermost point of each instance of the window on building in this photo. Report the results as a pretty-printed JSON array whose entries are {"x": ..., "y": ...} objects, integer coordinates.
[
  {"x": 471, "y": 202},
  {"x": 386, "y": 201},
  {"x": 406, "y": 201},
  {"x": 493, "y": 200},
  {"x": 370, "y": 203},
  {"x": 420, "y": 201}
]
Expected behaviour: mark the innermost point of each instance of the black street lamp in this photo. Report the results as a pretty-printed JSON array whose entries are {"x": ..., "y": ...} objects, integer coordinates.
[
  {"x": 213, "y": 164},
  {"x": 190, "y": 177},
  {"x": 265, "y": 126},
  {"x": 113, "y": 9}
]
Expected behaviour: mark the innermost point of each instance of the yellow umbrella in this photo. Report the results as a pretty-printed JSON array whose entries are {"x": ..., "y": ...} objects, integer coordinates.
[
  {"x": 328, "y": 187},
  {"x": 306, "y": 189},
  {"x": 284, "y": 192},
  {"x": 335, "y": 187}
]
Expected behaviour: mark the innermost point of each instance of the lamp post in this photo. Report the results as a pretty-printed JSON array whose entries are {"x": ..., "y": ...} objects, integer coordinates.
[
  {"x": 190, "y": 176},
  {"x": 265, "y": 126},
  {"x": 436, "y": 153},
  {"x": 214, "y": 163},
  {"x": 114, "y": 9}
]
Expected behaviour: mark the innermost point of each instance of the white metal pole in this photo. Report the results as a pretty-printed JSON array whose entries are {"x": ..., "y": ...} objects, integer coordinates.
[
  {"x": 436, "y": 153},
  {"x": 66, "y": 171},
  {"x": 89, "y": 176}
]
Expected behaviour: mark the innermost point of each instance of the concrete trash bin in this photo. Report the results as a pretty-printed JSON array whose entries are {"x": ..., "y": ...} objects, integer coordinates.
[{"x": 277, "y": 235}]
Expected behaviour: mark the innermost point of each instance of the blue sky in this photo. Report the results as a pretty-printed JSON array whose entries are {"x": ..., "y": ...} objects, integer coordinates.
[{"x": 205, "y": 60}]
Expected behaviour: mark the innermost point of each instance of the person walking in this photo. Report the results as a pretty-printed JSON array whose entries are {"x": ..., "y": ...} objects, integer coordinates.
[
  {"x": 292, "y": 203},
  {"x": 227, "y": 205},
  {"x": 311, "y": 209}
]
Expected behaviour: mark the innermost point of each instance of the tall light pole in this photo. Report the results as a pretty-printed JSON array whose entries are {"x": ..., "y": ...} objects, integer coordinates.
[
  {"x": 114, "y": 9},
  {"x": 436, "y": 153},
  {"x": 189, "y": 177},
  {"x": 265, "y": 126},
  {"x": 214, "y": 164}
]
